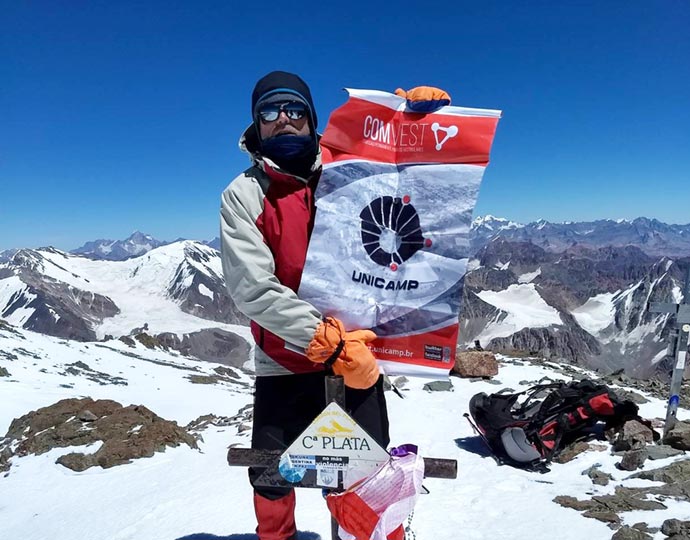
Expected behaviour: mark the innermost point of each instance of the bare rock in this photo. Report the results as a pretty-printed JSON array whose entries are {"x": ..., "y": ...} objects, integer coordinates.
[
  {"x": 629, "y": 395},
  {"x": 576, "y": 504},
  {"x": 630, "y": 533},
  {"x": 626, "y": 499},
  {"x": 679, "y": 436},
  {"x": 633, "y": 459},
  {"x": 633, "y": 435},
  {"x": 676, "y": 529},
  {"x": 675, "y": 473},
  {"x": 662, "y": 451},
  {"x": 126, "y": 433},
  {"x": 598, "y": 477},
  {"x": 570, "y": 452},
  {"x": 603, "y": 515},
  {"x": 209, "y": 344},
  {"x": 475, "y": 364},
  {"x": 87, "y": 416},
  {"x": 127, "y": 341},
  {"x": 439, "y": 386}
]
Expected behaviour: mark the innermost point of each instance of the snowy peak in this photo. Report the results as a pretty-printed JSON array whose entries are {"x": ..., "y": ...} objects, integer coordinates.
[
  {"x": 493, "y": 223},
  {"x": 7, "y": 254},
  {"x": 40, "y": 260},
  {"x": 119, "y": 250},
  {"x": 215, "y": 243},
  {"x": 198, "y": 284},
  {"x": 175, "y": 287}
]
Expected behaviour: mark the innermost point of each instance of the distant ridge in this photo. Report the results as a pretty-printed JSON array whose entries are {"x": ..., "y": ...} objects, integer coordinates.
[
  {"x": 119, "y": 250},
  {"x": 652, "y": 236}
]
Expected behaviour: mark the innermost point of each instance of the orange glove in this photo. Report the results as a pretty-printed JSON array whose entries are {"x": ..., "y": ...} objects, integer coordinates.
[
  {"x": 326, "y": 340},
  {"x": 345, "y": 352},
  {"x": 424, "y": 99},
  {"x": 358, "y": 366}
]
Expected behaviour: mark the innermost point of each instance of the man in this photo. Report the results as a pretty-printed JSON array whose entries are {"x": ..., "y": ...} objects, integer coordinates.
[{"x": 267, "y": 215}]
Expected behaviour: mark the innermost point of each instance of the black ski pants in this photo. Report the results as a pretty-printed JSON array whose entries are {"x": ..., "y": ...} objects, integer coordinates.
[{"x": 285, "y": 405}]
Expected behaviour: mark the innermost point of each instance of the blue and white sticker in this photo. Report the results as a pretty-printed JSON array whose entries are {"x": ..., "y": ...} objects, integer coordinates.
[{"x": 293, "y": 472}]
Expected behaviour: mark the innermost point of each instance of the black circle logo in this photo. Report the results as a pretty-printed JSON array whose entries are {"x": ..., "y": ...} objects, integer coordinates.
[{"x": 391, "y": 232}]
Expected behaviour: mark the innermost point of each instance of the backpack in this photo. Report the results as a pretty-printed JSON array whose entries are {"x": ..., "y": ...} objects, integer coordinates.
[{"x": 528, "y": 429}]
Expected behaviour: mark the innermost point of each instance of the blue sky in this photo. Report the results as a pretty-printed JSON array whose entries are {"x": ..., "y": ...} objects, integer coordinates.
[{"x": 116, "y": 116}]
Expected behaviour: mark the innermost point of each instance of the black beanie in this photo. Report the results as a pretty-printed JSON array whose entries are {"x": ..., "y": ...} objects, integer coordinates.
[{"x": 282, "y": 82}]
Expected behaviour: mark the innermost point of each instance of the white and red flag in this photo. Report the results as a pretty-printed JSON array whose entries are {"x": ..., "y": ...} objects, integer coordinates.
[{"x": 390, "y": 244}]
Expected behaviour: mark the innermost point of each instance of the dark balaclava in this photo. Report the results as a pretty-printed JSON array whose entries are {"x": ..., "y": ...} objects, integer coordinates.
[{"x": 295, "y": 154}]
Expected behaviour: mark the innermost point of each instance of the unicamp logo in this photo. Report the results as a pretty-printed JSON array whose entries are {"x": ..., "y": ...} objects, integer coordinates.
[
  {"x": 391, "y": 234},
  {"x": 391, "y": 231}
]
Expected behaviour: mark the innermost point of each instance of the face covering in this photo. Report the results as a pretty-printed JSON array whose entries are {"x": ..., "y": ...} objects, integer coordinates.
[{"x": 293, "y": 153}]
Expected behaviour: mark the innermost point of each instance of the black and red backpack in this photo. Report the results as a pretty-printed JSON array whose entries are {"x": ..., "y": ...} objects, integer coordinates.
[{"x": 528, "y": 429}]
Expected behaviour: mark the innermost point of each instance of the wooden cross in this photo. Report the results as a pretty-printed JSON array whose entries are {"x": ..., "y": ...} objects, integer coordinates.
[{"x": 270, "y": 459}]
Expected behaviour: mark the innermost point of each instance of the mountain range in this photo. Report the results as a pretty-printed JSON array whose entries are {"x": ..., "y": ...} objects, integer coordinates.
[
  {"x": 135, "y": 245},
  {"x": 651, "y": 236},
  {"x": 157, "y": 334},
  {"x": 586, "y": 303}
]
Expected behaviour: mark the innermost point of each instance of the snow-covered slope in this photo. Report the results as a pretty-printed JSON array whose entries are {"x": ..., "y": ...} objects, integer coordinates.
[
  {"x": 586, "y": 306},
  {"x": 184, "y": 492},
  {"x": 176, "y": 288}
]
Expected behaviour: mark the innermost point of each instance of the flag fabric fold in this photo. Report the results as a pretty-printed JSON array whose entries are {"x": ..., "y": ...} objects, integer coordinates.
[{"x": 390, "y": 243}]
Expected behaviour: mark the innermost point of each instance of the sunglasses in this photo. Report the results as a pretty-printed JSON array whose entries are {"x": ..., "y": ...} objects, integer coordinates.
[{"x": 294, "y": 110}]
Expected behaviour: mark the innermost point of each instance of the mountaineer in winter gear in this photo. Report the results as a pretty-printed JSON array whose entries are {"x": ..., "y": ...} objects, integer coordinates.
[{"x": 267, "y": 215}]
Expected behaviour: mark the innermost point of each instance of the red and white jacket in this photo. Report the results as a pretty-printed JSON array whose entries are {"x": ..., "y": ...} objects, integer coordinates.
[{"x": 267, "y": 216}]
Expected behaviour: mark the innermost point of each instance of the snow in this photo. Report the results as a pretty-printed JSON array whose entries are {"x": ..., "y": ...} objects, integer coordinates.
[
  {"x": 524, "y": 307},
  {"x": 12, "y": 290},
  {"x": 473, "y": 264},
  {"x": 597, "y": 313},
  {"x": 528, "y": 277},
  {"x": 676, "y": 295},
  {"x": 183, "y": 492},
  {"x": 492, "y": 222},
  {"x": 203, "y": 289},
  {"x": 139, "y": 287}
]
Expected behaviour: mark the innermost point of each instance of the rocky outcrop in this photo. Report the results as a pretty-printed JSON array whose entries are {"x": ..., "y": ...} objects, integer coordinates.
[
  {"x": 56, "y": 308},
  {"x": 475, "y": 364},
  {"x": 199, "y": 286},
  {"x": 126, "y": 433},
  {"x": 676, "y": 529},
  {"x": 567, "y": 343},
  {"x": 679, "y": 436},
  {"x": 579, "y": 282},
  {"x": 675, "y": 479},
  {"x": 211, "y": 345}
]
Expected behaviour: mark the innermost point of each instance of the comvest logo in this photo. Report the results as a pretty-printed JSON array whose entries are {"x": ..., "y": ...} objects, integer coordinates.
[
  {"x": 405, "y": 136},
  {"x": 448, "y": 133}
]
